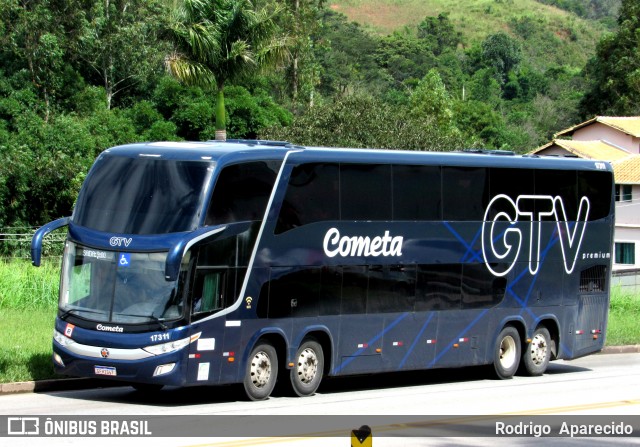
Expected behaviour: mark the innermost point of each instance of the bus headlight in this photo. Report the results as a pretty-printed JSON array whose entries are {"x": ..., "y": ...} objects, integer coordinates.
[
  {"x": 164, "y": 369},
  {"x": 62, "y": 339},
  {"x": 58, "y": 359},
  {"x": 171, "y": 346}
]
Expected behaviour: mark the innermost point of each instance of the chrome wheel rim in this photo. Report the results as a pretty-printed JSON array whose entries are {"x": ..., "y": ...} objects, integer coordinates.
[
  {"x": 260, "y": 369},
  {"x": 307, "y": 365},
  {"x": 508, "y": 352},
  {"x": 538, "y": 349}
]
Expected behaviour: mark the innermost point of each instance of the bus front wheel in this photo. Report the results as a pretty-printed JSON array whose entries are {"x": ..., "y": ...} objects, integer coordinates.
[
  {"x": 537, "y": 354},
  {"x": 507, "y": 353},
  {"x": 261, "y": 372},
  {"x": 306, "y": 374}
]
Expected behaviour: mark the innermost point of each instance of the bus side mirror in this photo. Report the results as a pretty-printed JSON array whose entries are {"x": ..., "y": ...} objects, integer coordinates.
[
  {"x": 177, "y": 252},
  {"x": 38, "y": 236}
]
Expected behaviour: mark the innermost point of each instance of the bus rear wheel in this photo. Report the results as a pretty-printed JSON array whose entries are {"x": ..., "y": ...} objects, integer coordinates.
[
  {"x": 261, "y": 372},
  {"x": 537, "y": 353},
  {"x": 306, "y": 374},
  {"x": 507, "y": 353}
]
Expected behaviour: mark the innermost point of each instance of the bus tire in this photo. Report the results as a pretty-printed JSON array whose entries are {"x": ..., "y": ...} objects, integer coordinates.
[
  {"x": 537, "y": 354},
  {"x": 507, "y": 353},
  {"x": 306, "y": 374},
  {"x": 261, "y": 372}
]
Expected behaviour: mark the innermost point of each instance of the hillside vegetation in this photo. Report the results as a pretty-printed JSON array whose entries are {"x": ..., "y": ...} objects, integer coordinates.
[
  {"x": 550, "y": 35},
  {"x": 77, "y": 77}
]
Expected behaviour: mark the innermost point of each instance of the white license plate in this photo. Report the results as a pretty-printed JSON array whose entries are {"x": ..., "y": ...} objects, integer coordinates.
[{"x": 105, "y": 370}]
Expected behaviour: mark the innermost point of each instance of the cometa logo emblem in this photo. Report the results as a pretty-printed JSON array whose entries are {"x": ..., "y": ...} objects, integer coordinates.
[
  {"x": 334, "y": 244},
  {"x": 104, "y": 352}
]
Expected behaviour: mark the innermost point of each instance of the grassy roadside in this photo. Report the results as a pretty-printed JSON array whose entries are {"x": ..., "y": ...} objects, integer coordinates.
[
  {"x": 26, "y": 338},
  {"x": 624, "y": 319},
  {"x": 28, "y": 303},
  {"x": 28, "y": 306}
]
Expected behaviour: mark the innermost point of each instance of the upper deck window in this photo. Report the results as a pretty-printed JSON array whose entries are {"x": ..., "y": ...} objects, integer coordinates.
[
  {"x": 365, "y": 192},
  {"x": 312, "y": 196},
  {"x": 143, "y": 195},
  {"x": 381, "y": 192},
  {"x": 242, "y": 192}
]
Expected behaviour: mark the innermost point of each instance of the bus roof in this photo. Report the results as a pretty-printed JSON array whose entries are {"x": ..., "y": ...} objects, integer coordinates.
[{"x": 234, "y": 151}]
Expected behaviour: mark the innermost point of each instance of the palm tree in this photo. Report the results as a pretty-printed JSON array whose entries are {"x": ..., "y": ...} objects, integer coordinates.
[{"x": 220, "y": 41}]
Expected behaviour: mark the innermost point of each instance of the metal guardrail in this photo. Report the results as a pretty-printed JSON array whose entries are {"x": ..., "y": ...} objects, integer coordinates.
[{"x": 15, "y": 242}]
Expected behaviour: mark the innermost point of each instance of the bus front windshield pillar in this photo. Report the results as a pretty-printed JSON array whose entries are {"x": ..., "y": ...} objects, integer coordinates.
[{"x": 177, "y": 252}]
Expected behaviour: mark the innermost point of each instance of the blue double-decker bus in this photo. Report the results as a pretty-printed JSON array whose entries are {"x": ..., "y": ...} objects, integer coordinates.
[{"x": 254, "y": 262}]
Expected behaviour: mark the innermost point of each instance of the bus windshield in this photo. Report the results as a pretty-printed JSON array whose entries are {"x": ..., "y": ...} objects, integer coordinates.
[
  {"x": 143, "y": 195},
  {"x": 116, "y": 287}
]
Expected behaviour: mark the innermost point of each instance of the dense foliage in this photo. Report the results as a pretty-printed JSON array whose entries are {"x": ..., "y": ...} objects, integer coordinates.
[
  {"x": 591, "y": 9},
  {"x": 615, "y": 69},
  {"x": 78, "y": 76}
]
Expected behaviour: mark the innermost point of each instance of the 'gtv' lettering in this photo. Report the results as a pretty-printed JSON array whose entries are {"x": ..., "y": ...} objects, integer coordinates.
[
  {"x": 120, "y": 241},
  {"x": 502, "y": 239}
]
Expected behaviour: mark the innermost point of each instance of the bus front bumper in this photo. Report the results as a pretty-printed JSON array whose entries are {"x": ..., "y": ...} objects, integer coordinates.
[{"x": 127, "y": 365}]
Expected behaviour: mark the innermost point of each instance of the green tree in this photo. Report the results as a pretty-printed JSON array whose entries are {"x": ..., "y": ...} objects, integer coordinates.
[
  {"x": 362, "y": 120},
  {"x": 615, "y": 70},
  {"x": 501, "y": 52},
  {"x": 346, "y": 53},
  {"x": 220, "y": 41},
  {"x": 120, "y": 43},
  {"x": 479, "y": 123},
  {"x": 430, "y": 98},
  {"x": 484, "y": 87},
  {"x": 405, "y": 58},
  {"x": 252, "y": 111},
  {"x": 35, "y": 36},
  {"x": 441, "y": 30},
  {"x": 301, "y": 20}
]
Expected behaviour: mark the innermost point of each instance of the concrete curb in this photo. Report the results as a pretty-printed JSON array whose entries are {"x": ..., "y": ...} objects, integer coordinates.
[
  {"x": 628, "y": 349},
  {"x": 44, "y": 386}
]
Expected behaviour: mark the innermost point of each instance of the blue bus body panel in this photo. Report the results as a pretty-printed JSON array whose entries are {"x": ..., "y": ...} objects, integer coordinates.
[
  {"x": 108, "y": 343},
  {"x": 536, "y": 288}
]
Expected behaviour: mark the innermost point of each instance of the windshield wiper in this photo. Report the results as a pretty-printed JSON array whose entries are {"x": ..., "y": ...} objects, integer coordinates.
[
  {"x": 151, "y": 317},
  {"x": 68, "y": 312},
  {"x": 157, "y": 320}
]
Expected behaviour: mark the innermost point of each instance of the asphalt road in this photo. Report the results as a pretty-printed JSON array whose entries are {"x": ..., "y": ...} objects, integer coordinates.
[{"x": 402, "y": 409}]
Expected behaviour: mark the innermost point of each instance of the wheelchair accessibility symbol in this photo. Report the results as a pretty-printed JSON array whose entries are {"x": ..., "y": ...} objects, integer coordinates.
[{"x": 125, "y": 259}]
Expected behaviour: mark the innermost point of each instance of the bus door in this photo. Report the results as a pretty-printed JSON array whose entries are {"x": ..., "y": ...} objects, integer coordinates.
[
  {"x": 216, "y": 278},
  {"x": 209, "y": 295}
]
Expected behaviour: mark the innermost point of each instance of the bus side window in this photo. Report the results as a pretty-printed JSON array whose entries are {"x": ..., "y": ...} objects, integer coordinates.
[
  {"x": 558, "y": 183},
  {"x": 365, "y": 192},
  {"x": 312, "y": 196},
  {"x": 596, "y": 186},
  {"x": 465, "y": 192},
  {"x": 242, "y": 192},
  {"x": 208, "y": 291},
  {"x": 417, "y": 193},
  {"x": 439, "y": 287}
]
